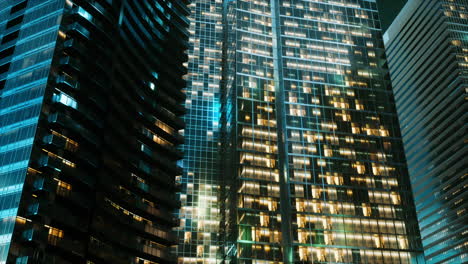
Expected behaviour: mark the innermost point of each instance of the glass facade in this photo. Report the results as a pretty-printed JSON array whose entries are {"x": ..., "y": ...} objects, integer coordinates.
[
  {"x": 427, "y": 48},
  {"x": 89, "y": 129},
  {"x": 199, "y": 214},
  {"x": 315, "y": 169},
  {"x": 26, "y": 50}
]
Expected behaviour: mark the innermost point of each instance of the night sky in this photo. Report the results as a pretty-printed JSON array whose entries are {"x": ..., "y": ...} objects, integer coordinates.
[{"x": 388, "y": 10}]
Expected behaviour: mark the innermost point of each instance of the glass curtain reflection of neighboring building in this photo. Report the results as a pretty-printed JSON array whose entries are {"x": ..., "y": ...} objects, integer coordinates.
[
  {"x": 427, "y": 48},
  {"x": 315, "y": 169},
  {"x": 199, "y": 213}
]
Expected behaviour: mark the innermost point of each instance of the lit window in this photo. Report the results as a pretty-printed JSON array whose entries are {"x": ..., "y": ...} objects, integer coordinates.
[
  {"x": 187, "y": 237},
  {"x": 366, "y": 209},
  {"x": 65, "y": 99},
  {"x": 55, "y": 232}
]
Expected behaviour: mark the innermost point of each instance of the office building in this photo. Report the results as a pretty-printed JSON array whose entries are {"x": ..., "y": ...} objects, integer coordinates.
[
  {"x": 199, "y": 213},
  {"x": 314, "y": 164},
  {"x": 427, "y": 48},
  {"x": 90, "y": 112}
]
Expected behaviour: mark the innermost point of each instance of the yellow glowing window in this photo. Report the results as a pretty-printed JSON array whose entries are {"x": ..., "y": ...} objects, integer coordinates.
[
  {"x": 328, "y": 238},
  {"x": 70, "y": 144},
  {"x": 383, "y": 132},
  {"x": 366, "y": 209},
  {"x": 355, "y": 129},
  {"x": 64, "y": 161},
  {"x": 187, "y": 237},
  {"x": 327, "y": 152},
  {"x": 316, "y": 192},
  {"x": 395, "y": 198},
  {"x": 264, "y": 219},
  {"x": 328, "y": 126},
  {"x": 63, "y": 185},
  {"x": 62, "y": 35},
  {"x": 200, "y": 250},
  {"x": 360, "y": 168},
  {"x": 55, "y": 232}
]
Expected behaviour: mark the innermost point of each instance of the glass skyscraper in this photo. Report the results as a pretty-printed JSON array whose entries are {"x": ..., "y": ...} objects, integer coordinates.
[
  {"x": 427, "y": 48},
  {"x": 314, "y": 169},
  {"x": 89, "y": 129},
  {"x": 200, "y": 213},
  {"x": 26, "y": 57}
]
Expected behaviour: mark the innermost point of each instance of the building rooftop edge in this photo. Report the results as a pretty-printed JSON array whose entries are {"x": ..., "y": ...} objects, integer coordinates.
[{"x": 400, "y": 21}]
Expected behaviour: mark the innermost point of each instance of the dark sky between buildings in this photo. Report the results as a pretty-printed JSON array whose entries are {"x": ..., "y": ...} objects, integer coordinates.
[{"x": 388, "y": 10}]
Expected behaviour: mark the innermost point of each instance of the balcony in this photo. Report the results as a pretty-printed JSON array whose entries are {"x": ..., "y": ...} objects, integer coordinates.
[
  {"x": 156, "y": 252},
  {"x": 75, "y": 48},
  {"x": 159, "y": 175},
  {"x": 160, "y": 147},
  {"x": 70, "y": 63},
  {"x": 54, "y": 164},
  {"x": 43, "y": 236},
  {"x": 73, "y": 246},
  {"x": 80, "y": 175},
  {"x": 50, "y": 210},
  {"x": 137, "y": 203},
  {"x": 161, "y": 194},
  {"x": 131, "y": 240},
  {"x": 79, "y": 13},
  {"x": 32, "y": 235},
  {"x": 52, "y": 186},
  {"x": 72, "y": 152},
  {"x": 150, "y": 121},
  {"x": 43, "y": 184},
  {"x": 56, "y": 141},
  {"x": 164, "y": 196},
  {"x": 77, "y": 30},
  {"x": 51, "y": 163},
  {"x": 141, "y": 226},
  {"x": 66, "y": 121},
  {"x": 72, "y": 46},
  {"x": 107, "y": 253},
  {"x": 66, "y": 81}
]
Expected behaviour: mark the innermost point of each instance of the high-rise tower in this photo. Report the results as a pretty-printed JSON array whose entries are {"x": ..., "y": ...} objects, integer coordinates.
[
  {"x": 199, "y": 213},
  {"x": 427, "y": 48},
  {"x": 315, "y": 170},
  {"x": 90, "y": 106}
]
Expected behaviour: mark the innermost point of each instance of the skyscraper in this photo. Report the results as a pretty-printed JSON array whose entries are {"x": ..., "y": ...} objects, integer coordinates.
[
  {"x": 199, "y": 213},
  {"x": 427, "y": 48},
  {"x": 90, "y": 106},
  {"x": 315, "y": 169}
]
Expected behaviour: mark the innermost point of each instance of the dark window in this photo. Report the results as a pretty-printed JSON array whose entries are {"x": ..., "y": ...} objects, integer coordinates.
[
  {"x": 4, "y": 68},
  {"x": 18, "y": 7},
  {"x": 10, "y": 37},
  {"x": 2, "y": 84},
  {"x": 15, "y": 22},
  {"x": 7, "y": 52}
]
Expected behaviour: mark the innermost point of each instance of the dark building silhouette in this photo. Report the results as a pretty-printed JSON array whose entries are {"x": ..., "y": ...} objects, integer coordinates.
[
  {"x": 427, "y": 49},
  {"x": 90, "y": 112}
]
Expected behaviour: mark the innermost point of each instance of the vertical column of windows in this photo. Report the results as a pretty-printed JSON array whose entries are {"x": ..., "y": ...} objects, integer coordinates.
[
  {"x": 200, "y": 214},
  {"x": 258, "y": 205}
]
